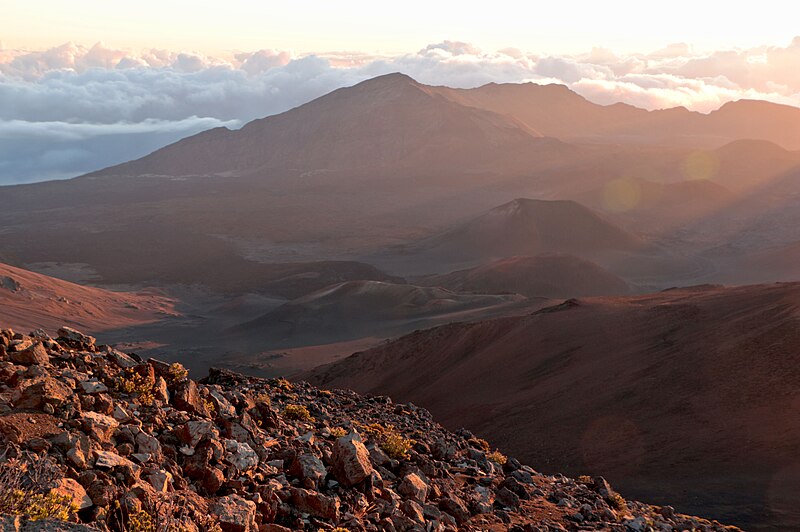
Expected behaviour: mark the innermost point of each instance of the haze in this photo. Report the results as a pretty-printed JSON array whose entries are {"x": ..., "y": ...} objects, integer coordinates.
[{"x": 554, "y": 247}]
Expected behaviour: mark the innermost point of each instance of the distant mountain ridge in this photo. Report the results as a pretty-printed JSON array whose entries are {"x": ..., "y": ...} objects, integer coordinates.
[{"x": 393, "y": 123}]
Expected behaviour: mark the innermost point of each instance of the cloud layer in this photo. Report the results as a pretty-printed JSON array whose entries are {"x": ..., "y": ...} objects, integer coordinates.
[{"x": 72, "y": 109}]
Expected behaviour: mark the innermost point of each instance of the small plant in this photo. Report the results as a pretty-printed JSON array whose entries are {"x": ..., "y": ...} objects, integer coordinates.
[
  {"x": 616, "y": 501},
  {"x": 37, "y": 506},
  {"x": 263, "y": 398},
  {"x": 297, "y": 412},
  {"x": 211, "y": 408},
  {"x": 141, "y": 521},
  {"x": 283, "y": 384},
  {"x": 396, "y": 446},
  {"x": 389, "y": 440},
  {"x": 24, "y": 489},
  {"x": 177, "y": 373},
  {"x": 338, "y": 432},
  {"x": 585, "y": 479},
  {"x": 497, "y": 457},
  {"x": 132, "y": 382},
  {"x": 480, "y": 444}
]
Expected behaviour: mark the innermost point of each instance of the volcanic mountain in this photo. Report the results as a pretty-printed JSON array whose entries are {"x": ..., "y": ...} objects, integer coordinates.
[
  {"x": 359, "y": 309},
  {"x": 556, "y": 111},
  {"x": 31, "y": 301},
  {"x": 387, "y": 123},
  {"x": 552, "y": 276},
  {"x": 524, "y": 227},
  {"x": 372, "y": 171},
  {"x": 689, "y": 394}
]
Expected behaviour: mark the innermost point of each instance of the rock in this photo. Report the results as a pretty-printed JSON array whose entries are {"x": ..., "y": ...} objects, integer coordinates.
[
  {"x": 308, "y": 467},
  {"x": 93, "y": 386},
  {"x": 507, "y": 498},
  {"x": 121, "y": 359},
  {"x": 350, "y": 460},
  {"x": 73, "y": 335},
  {"x": 160, "y": 480},
  {"x": 212, "y": 480},
  {"x": 36, "y": 354},
  {"x": 47, "y": 391},
  {"x": 102, "y": 493},
  {"x": 70, "y": 487},
  {"x": 107, "y": 459},
  {"x": 99, "y": 426},
  {"x": 311, "y": 502},
  {"x": 240, "y": 455},
  {"x": 414, "y": 487},
  {"x": 455, "y": 508},
  {"x": 413, "y": 511},
  {"x": 223, "y": 406},
  {"x": 147, "y": 444},
  {"x": 187, "y": 398},
  {"x": 160, "y": 390},
  {"x": 637, "y": 524},
  {"x": 234, "y": 513},
  {"x": 195, "y": 431}
]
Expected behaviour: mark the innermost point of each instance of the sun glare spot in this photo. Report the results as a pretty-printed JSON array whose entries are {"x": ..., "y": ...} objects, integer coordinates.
[
  {"x": 621, "y": 195},
  {"x": 700, "y": 165}
]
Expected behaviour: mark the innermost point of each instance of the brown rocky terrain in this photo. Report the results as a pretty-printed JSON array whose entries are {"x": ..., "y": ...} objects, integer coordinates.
[
  {"x": 688, "y": 395},
  {"x": 358, "y": 309},
  {"x": 32, "y": 301},
  {"x": 92, "y": 435},
  {"x": 549, "y": 275}
]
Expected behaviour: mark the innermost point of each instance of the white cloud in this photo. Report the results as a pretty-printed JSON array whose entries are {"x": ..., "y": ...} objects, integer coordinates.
[{"x": 73, "y": 109}]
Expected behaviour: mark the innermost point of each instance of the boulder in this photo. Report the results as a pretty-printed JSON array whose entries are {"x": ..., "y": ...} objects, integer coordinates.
[
  {"x": 71, "y": 488},
  {"x": 308, "y": 468},
  {"x": 414, "y": 487},
  {"x": 234, "y": 513},
  {"x": 311, "y": 502},
  {"x": 36, "y": 354},
  {"x": 350, "y": 460},
  {"x": 240, "y": 455},
  {"x": 99, "y": 426},
  {"x": 47, "y": 391},
  {"x": 68, "y": 333}
]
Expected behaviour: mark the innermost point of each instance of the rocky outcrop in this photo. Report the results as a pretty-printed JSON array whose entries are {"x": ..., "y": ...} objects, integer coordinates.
[{"x": 134, "y": 443}]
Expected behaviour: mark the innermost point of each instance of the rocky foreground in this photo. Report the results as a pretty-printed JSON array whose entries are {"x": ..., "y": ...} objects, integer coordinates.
[{"x": 93, "y": 438}]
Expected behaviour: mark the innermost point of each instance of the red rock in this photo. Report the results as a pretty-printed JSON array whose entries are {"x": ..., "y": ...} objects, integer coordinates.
[
  {"x": 350, "y": 460},
  {"x": 311, "y": 502},
  {"x": 234, "y": 513},
  {"x": 47, "y": 391},
  {"x": 34, "y": 355},
  {"x": 414, "y": 487}
]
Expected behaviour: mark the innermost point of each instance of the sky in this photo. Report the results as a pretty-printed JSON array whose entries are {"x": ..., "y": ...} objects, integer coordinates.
[{"x": 86, "y": 84}]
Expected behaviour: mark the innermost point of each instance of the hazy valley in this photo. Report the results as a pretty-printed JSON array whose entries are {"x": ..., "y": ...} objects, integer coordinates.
[{"x": 599, "y": 290}]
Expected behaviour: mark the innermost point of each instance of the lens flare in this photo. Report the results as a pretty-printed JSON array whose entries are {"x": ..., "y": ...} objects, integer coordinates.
[
  {"x": 700, "y": 165},
  {"x": 622, "y": 195}
]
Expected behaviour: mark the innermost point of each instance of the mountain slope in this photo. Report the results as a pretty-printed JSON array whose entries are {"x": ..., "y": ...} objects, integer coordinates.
[
  {"x": 360, "y": 309},
  {"x": 686, "y": 394},
  {"x": 552, "y": 276},
  {"x": 31, "y": 301},
  {"x": 180, "y": 454},
  {"x": 387, "y": 123},
  {"x": 524, "y": 227},
  {"x": 556, "y": 111}
]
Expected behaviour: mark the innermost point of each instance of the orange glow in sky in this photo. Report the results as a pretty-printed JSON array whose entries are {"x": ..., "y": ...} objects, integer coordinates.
[{"x": 370, "y": 26}]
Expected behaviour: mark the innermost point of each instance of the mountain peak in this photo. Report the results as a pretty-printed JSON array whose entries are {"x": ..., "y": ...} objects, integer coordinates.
[{"x": 391, "y": 79}]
